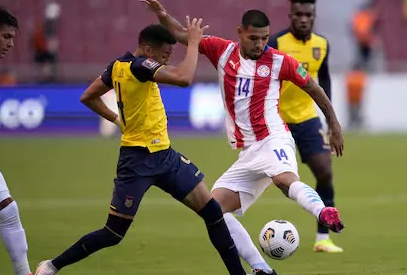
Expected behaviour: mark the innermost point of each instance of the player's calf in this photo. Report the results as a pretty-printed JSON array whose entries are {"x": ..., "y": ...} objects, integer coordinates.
[
  {"x": 229, "y": 201},
  {"x": 220, "y": 237},
  {"x": 209, "y": 210},
  {"x": 321, "y": 167},
  {"x": 304, "y": 195},
  {"x": 309, "y": 199},
  {"x": 296, "y": 190},
  {"x": 245, "y": 246},
  {"x": 110, "y": 235},
  {"x": 13, "y": 235}
]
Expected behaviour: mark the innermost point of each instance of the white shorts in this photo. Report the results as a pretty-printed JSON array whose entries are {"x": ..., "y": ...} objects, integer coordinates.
[
  {"x": 4, "y": 192},
  {"x": 251, "y": 174}
]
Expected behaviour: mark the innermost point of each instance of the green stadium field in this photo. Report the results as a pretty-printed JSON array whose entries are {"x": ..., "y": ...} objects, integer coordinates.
[{"x": 63, "y": 188}]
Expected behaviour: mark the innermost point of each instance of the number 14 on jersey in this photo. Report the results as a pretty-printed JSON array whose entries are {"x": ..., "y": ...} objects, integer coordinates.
[{"x": 243, "y": 87}]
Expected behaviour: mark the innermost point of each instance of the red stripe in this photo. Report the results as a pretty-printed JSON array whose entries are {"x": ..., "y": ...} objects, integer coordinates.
[
  {"x": 229, "y": 83},
  {"x": 258, "y": 100}
]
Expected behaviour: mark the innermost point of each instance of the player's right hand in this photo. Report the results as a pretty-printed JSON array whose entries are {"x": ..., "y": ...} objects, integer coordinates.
[
  {"x": 336, "y": 139},
  {"x": 156, "y": 7},
  {"x": 118, "y": 124},
  {"x": 195, "y": 31}
]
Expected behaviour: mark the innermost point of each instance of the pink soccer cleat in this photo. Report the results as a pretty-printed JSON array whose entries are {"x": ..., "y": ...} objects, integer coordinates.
[{"x": 329, "y": 216}]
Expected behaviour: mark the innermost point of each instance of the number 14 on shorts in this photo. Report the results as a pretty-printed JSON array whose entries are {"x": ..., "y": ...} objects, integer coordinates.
[{"x": 280, "y": 153}]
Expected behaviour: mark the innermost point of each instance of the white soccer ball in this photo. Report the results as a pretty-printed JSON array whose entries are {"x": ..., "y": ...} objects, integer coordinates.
[{"x": 279, "y": 239}]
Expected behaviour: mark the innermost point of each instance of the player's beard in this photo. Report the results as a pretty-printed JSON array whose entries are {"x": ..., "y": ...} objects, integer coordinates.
[
  {"x": 302, "y": 34},
  {"x": 255, "y": 56}
]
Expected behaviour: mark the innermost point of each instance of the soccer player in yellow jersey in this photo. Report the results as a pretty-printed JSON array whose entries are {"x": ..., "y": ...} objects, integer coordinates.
[
  {"x": 146, "y": 157},
  {"x": 298, "y": 109}
]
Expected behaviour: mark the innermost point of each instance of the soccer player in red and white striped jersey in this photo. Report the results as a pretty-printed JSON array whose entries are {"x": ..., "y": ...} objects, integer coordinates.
[{"x": 250, "y": 77}]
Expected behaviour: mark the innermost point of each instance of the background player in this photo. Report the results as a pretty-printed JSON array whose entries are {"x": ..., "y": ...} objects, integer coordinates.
[
  {"x": 250, "y": 75},
  {"x": 298, "y": 109},
  {"x": 11, "y": 229},
  {"x": 146, "y": 157}
]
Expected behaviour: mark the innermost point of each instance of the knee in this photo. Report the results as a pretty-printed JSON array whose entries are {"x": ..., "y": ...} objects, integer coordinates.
[
  {"x": 211, "y": 213},
  {"x": 10, "y": 214},
  {"x": 284, "y": 180},
  {"x": 228, "y": 200},
  {"x": 111, "y": 238},
  {"x": 5, "y": 199},
  {"x": 115, "y": 229}
]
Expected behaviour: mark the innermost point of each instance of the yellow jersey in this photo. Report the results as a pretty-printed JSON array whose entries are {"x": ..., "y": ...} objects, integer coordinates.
[
  {"x": 296, "y": 106},
  {"x": 141, "y": 109}
]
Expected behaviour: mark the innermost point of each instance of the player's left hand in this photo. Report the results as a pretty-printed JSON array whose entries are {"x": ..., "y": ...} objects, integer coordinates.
[
  {"x": 156, "y": 7},
  {"x": 336, "y": 139}
]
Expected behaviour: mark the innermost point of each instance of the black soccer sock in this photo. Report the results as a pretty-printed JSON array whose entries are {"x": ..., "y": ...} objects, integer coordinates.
[
  {"x": 220, "y": 237},
  {"x": 326, "y": 192},
  {"x": 110, "y": 235}
]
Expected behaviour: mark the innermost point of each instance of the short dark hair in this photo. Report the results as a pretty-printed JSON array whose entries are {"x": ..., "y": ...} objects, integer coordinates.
[
  {"x": 7, "y": 19},
  {"x": 255, "y": 18},
  {"x": 303, "y": 1},
  {"x": 156, "y": 35}
]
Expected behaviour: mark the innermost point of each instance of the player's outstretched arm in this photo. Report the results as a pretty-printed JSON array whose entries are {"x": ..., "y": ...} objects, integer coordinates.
[
  {"x": 321, "y": 99},
  {"x": 293, "y": 71},
  {"x": 183, "y": 74},
  {"x": 92, "y": 99},
  {"x": 168, "y": 21}
]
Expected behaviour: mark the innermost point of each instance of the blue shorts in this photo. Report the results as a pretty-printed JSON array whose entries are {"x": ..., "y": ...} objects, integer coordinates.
[
  {"x": 138, "y": 170},
  {"x": 310, "y": 138}
]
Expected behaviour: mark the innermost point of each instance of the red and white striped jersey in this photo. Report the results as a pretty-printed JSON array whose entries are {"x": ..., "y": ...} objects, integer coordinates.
[{"x": 251, "y": 89}]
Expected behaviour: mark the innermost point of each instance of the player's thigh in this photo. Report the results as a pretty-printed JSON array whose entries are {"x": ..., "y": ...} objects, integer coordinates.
[
  {"x": 179, "y": 177},
  {"x": 275, "y": 160},
  {"x": 240, "y": 186},
  {"x": 132, "y": 180},
  {"x": 279, "y": 156},
  {"x": 310, "y": 138},
  {"x": 4, "y": 192}
]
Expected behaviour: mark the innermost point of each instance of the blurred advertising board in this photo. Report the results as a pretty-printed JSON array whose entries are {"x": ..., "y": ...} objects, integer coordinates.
[
  {"x": 199, "y": 108},
  {"x": 55, "y": 109}
]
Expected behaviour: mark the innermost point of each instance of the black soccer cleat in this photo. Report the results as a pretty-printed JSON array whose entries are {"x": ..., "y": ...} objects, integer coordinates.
[{"x": 263, "y": 272}]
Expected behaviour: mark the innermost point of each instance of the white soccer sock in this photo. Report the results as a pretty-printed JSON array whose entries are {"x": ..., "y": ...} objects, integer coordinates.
[
  {"x": 307, "y": 197},
  {"x": 244, "y": 244},
  {"x": 13, "y": 236}
]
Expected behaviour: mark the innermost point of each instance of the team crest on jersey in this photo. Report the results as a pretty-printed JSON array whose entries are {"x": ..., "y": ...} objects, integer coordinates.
[
  {"x": 150, "y": 64},
  {"x": 263, "y": 71},
  {"x": 316, "y": 53}
]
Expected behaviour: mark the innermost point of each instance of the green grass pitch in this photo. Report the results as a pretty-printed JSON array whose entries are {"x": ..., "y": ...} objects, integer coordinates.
[{"x": 63, "y": 188}]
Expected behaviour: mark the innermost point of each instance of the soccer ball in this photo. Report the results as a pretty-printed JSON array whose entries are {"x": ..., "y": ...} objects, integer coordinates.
[{"x": 279, "y": 239}]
